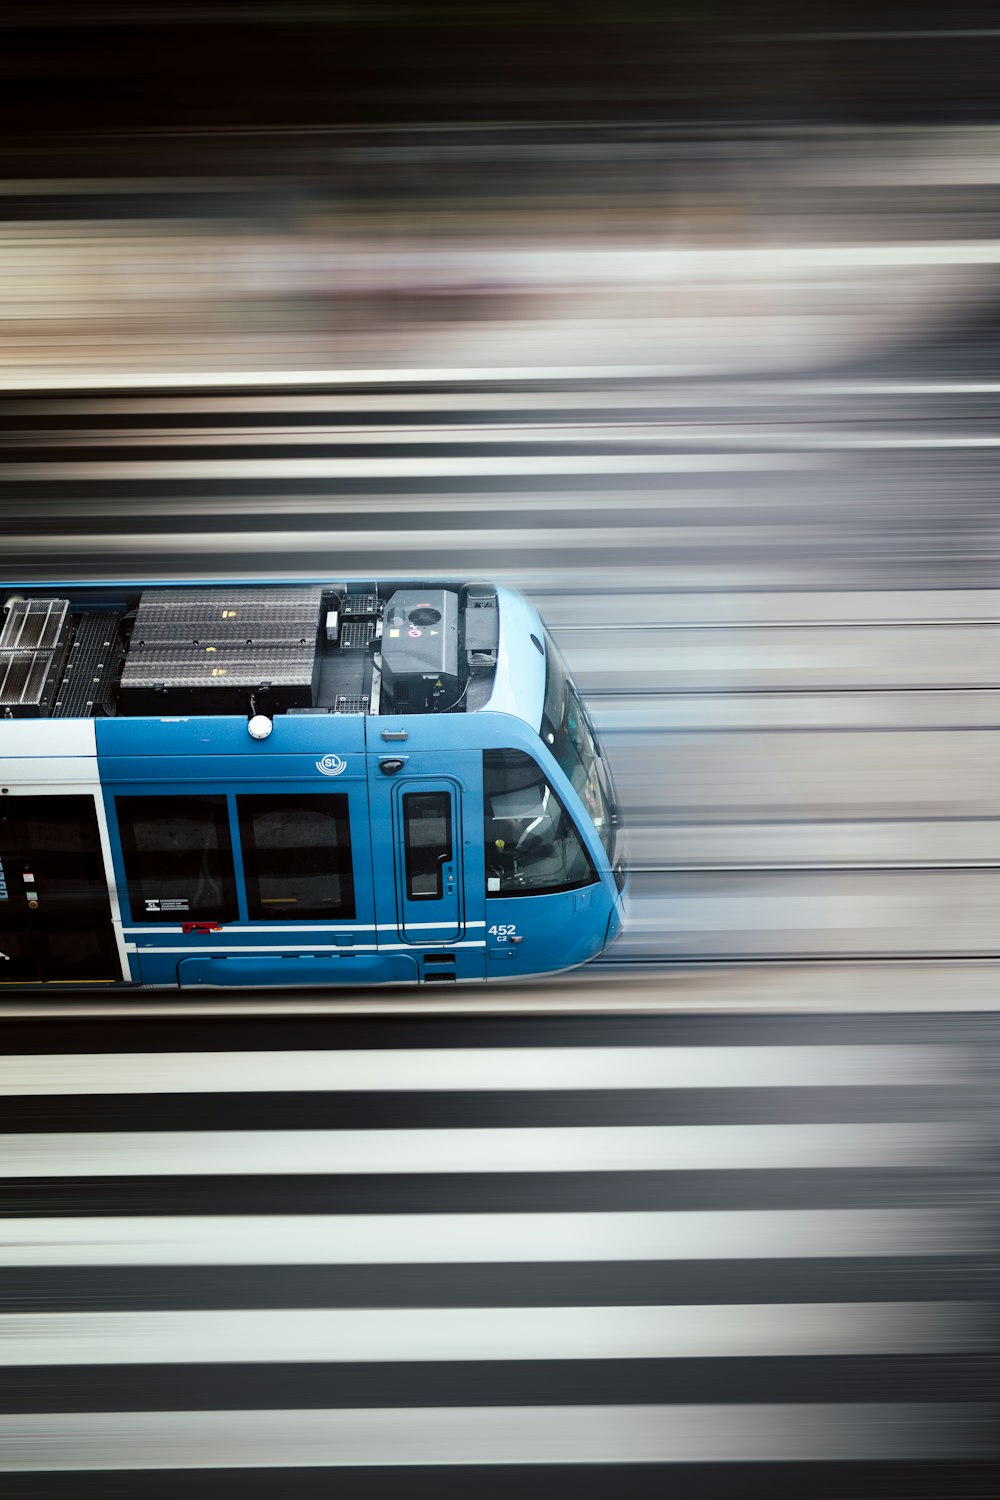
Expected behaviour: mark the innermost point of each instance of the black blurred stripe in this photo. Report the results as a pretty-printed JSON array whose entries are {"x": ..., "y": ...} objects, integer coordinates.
[
  {"x": 140, "y": 417},
  {"x": 863, "y": 1480},
  {"x": 265, "y": 1033},
  {"x": 51, "y": 1289},
  {"x": 293, "y": 1386},
  {"x": 499, "y": 1192},
  {"x": 430, "y": 1110}
]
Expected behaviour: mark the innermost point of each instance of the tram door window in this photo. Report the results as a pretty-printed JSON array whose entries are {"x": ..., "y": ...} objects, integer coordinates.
[
  {"x": 427, "y": 844},
  {"x": 418, "y": 859},
  {"x": 427, "y": 834},
  {"x": 297, "y": 856},
  {"x": 55, "y": 913},
  {"x": 178, "y": 858}
]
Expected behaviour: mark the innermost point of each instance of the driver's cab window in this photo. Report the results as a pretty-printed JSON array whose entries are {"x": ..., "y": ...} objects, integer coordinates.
[{"x": 532, "y": 845}]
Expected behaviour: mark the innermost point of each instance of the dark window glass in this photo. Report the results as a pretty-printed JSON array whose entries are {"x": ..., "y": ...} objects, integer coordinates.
[
  {"x": 297, "y": 856},
  {"x": 427, "y": 842},
  {"x": 532, "y": 844},
  {"x": 57, "y": 841},
  {"x": 178, "y": 858},
  {"x": 55, "y": 917}
]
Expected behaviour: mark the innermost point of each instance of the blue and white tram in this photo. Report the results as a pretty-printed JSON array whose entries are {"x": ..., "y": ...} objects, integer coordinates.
[{"x": 330, "y": 783}]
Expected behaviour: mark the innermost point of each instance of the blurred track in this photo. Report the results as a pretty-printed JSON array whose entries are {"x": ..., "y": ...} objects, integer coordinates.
[
  {"x": 249, "y": 1255},
  {"x": 778, "y": 596}
]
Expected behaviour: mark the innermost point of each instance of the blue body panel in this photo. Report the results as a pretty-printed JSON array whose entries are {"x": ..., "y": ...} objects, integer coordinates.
[
  {"x": 466, "y": 936},
  {"x": 399, "y": 931}
]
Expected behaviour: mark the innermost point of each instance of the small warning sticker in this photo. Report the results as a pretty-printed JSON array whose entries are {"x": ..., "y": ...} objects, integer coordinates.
[{"x": 168, "y": 903}]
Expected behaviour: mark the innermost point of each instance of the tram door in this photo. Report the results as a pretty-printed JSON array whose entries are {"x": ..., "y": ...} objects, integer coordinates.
[
  {"x": 417, "y": 844},
  {"x": 55, "y": 915}
]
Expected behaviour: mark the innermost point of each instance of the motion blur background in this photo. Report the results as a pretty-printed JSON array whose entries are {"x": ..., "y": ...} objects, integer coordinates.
[{"x": 684, "y": 318}]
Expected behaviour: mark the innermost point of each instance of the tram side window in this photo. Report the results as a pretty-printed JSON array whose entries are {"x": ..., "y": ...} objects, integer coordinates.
[
  {"x": 178, "y": 858},
  {"x": 532, "y": 845},
  {"x": 297, "y": 856},
  {"x": 426, "y": 842}
]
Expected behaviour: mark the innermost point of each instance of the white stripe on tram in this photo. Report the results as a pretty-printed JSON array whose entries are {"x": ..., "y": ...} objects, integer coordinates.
[
  {"x": 455, "y": 1239},
  {"x": 384, "y": 1335},
  {"x": 488, "y": 1435},
  {"x": 167, "y": 929},
  {"x": 234, "y": 950},
  {"x": 614, "y": 1148},
  {"x": 481, "y": 1068}
]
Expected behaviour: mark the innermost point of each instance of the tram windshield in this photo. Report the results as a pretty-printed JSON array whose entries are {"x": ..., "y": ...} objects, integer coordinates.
[{"x": 569, "y": 734}]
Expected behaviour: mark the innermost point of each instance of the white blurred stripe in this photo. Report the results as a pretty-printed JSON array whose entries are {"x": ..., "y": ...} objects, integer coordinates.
[
  {"x": 449, "y": 1068},
  {"x": 179, "y": 380},
  {"x": 453, "y": 1239},
  {"x": 444, "y": 467},
  {"x": 495, "y": 1435},
  {"x": 615, "y": 1148},
  {"x": 381, "y": 1335}
]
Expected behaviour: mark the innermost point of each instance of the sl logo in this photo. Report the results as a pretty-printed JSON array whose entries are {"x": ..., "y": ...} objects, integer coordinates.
[{"x": 331, "y": 765}]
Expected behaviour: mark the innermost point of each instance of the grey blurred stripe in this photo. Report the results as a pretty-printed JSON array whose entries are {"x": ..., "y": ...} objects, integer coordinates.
[
  {"x": 888, "y": 1278},
  {"x": 375, "y": 1335},
  {"x": 481, "y": 1068},
  {"x": 496, "y": 1435},
  {"x": 439, "y": 1239},
  {"x": 600, "y": 1148},
  {"x": 458, "y": 1109}
]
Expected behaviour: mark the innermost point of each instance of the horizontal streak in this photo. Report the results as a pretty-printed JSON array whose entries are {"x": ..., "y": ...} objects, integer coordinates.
[
  {"x": 953, "y": 1478},
  {"x": 956, "y": 252},
  {"x": 481, "y": 1068},
  {"x": 725, "y": 394},
  {"x": 69, "y": 446},
  {"x": 946, "y": 1050},
  {"x": 514, "y": 1382},
  {"x": 888, "y": 989},
  {"x": 458, "y": 466},
  {"x": 375, "y": 1335},
  {"x": 446, "y": 538},
  {"x": 128, "y": 380},
  {"x": 495, "y": 1435},
  {"x": 599, "y": 1148},
  {"x": 453, "y": 1239},
  {"x": 485, "y": 1109},
  {"x": 45, "y": 1289},
  {"x": 66, "y": 444},
  {"x": 121, "y": 452},
  {"x": 458, "y": 1192}
]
